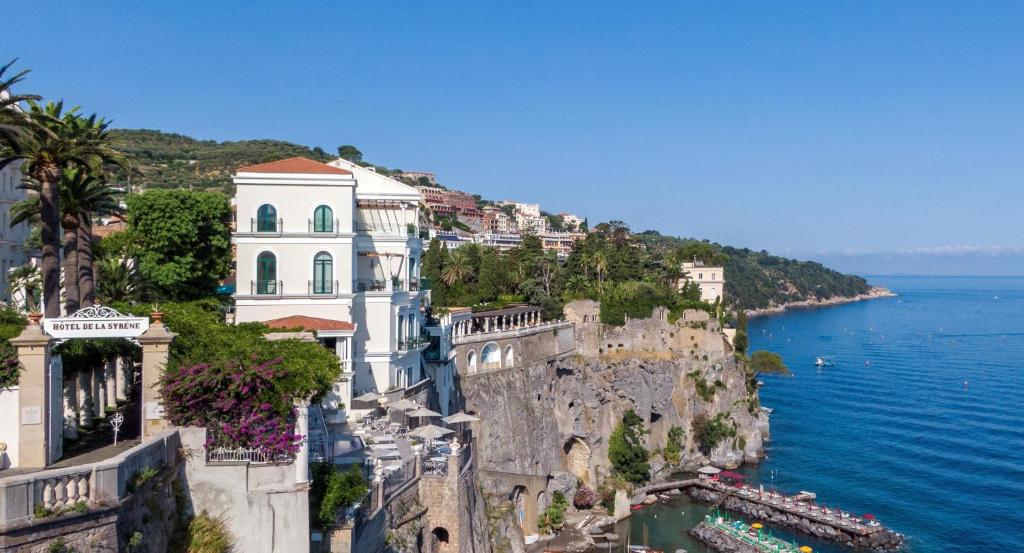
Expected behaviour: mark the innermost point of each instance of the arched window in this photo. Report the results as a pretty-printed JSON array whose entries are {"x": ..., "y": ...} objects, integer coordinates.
[
  {"x": 266, "y": 218},
  {"x": 471, "y": 362},
  {"x": 490, "y": 357},
  {"x": 323, "y": 272},
  {"x": 266, "y": 273},
  {"x": 509, "y": 357},
  {"x": 323, "y": 219}
]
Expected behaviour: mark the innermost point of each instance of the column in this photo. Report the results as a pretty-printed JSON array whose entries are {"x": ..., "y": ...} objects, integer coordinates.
[
  {"x": 155, "y": 344},
  {"x": 123, "y": 377},
  {"x": 85, "y": 402},
  {"x": 110, "y": 376},
  {"x": 302, "y": 429},
  {"x": 34, "y": 392},
  {"x": 71, "y": 407},
  {"x": 98, "y": 392}
]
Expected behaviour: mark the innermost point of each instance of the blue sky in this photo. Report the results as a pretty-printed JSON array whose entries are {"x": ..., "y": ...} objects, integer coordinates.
[{"x": 828, "y": 130}]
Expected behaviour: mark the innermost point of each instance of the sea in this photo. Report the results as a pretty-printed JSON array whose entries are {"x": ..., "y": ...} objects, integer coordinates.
[{"x": 919, "y": 420}]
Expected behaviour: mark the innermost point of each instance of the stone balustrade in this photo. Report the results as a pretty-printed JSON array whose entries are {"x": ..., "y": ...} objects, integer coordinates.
[{"x": 101, "y": 481}]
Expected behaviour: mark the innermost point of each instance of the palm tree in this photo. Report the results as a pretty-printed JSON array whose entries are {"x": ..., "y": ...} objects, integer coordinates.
[
  {"x": 577, "y": 286},
  {"x": 57, "y": 139},
  {"x": 119, "y": 280},
  {"x": 81, "y": 194},
  {"x": 12, "y": 120},
  {"x": 457, "y": 269},
  {"x": 26, "y": 279},
  {"x": 600, "y": 266}
]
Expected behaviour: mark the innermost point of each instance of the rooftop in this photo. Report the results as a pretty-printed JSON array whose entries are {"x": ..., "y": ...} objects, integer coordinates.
[
  {"x": 309, "y": 324},
  {"x": 299, "y": 165}
]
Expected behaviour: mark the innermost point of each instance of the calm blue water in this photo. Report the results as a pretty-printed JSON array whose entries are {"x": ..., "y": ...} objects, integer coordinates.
[
  {"x": 902, "y": 437},
  {"x": 890, "y": 429}
]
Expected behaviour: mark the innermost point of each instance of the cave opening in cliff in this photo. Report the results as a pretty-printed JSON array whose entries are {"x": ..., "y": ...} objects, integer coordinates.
[
  {"x": 441, "y": 534},
  {"x": 577, "y": 458}
]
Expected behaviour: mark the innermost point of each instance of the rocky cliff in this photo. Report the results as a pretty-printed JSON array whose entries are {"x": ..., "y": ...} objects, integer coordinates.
[{"x": 553, "y": 419}]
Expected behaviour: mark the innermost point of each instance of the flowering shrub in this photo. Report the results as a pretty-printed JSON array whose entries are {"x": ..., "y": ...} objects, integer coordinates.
[
  {"x": 237, "y": 402},
  {"x": 10, "y": 370},
  {"x": 584, "y": 498}
]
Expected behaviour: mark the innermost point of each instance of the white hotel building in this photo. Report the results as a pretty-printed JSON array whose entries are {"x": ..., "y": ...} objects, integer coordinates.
[{"x": 334, "y": 249}]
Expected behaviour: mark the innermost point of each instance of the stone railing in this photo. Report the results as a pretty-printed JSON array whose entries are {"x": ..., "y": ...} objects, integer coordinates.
[
  {"x": 103, "y": 481},
  {"x": 510, "y": 333}
]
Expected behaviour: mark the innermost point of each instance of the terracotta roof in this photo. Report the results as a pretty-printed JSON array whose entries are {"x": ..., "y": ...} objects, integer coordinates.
[
  {"x": 295, "y": 165},
  {"x": 311, "y": 324}
]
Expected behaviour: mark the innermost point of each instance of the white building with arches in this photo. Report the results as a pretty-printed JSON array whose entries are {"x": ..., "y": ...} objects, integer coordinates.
[{"x": 338, "y": 244}]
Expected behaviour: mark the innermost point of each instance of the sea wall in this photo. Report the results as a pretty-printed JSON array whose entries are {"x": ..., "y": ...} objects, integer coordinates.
[
  {"x": 720, "y": 542},
  {"x": 880, "y": 540}
]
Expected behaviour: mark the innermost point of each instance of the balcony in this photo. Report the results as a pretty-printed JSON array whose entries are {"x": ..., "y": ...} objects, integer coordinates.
[
  {"x": 269, "y": 288},
  {"x": 371, "y": 285},
  {"x": 322, "y": 289},
  {"x": 313, "y": 231},
  {"x": 417, "y": 284},
  {"x": 270, "y": 228}
]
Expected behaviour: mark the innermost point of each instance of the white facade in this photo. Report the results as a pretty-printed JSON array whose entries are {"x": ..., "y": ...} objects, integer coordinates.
[
  {"x": 12, "y": 239},
  {"x": 533, "y": 225},
  {"x": 710, "y": 279},
  {"x": 339, "y": 242}
]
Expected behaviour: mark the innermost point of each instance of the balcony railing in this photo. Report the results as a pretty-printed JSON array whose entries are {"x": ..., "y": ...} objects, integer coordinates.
[
  {"x": 317, "y": 288},
  {"x": 266, "y": 287},
  {"x": 371, "y": 285},
  {"x": 333, "y": 231},
  {"x": 254, "y": 226}
]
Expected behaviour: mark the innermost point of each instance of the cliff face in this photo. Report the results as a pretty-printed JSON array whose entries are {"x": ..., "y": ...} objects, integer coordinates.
[{"x": 553, "y": 419}]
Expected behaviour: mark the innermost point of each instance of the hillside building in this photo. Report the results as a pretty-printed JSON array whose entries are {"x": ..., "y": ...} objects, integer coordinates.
[
  {"x": 12, "y": 239},
  {"x": 497, "y": 221},
  {"x": 711, "y": 279},
  {"x": 334, "y": 249}
]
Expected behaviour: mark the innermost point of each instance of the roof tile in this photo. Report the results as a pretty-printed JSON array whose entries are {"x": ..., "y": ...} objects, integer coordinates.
[
  {"x": 300, "y": 165},
  {"x": 311, "y": 324}
]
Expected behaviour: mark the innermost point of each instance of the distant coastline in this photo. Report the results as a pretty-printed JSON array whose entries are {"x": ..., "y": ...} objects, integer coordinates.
[{"x": 873, "y": 293}]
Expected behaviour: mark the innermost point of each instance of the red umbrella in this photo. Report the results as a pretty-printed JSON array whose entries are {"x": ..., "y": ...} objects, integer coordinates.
[{"x": 868, "y": 516}]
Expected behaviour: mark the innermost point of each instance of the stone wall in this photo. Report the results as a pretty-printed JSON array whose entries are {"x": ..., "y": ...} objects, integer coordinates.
[
  {"x": 263, "y": 506},
  {"x": 528, "y": 344}
]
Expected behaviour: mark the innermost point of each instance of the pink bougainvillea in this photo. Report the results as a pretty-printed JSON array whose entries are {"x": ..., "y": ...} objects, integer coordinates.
[{"x": 236, "y": 402}]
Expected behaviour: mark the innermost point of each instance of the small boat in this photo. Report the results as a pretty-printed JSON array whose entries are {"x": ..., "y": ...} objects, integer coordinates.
[
  {"x": 643, "y": 549},
  {"x": 823, "y": 361}
]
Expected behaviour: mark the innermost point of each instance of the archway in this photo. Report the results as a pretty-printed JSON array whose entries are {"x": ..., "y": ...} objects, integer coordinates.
[
  {"x": 577, "y": 458},
  {"x": 471, "y": 362},
  {"x": 490, "y": 357},
  {"x": 518, "y": 499},
  {"x": 440, "y": 538},
  {"x": 509, "y": 357}
]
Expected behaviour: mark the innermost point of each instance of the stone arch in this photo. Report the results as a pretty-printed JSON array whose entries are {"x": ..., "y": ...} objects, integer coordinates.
[
  {"x": 471, "y": 362},
  {"x": 577, "y": 458},
  {"x": 490, "y": 356},
  {"x": 510, "y": 357},
  {"x": 541, "y": 501},
  {"x": 441, "y": 538},
  {"x": 518, "y": 499}
]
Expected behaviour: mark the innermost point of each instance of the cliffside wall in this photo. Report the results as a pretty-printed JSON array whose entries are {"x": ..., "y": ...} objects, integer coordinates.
[{"x": 546, "y": 425}]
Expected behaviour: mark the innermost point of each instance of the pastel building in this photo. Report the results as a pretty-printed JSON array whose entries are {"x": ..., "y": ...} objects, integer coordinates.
[
  {"x": 334, "y": 249},
  {"x": 711, "y": 279},
  {"x": 12, "y": 239}
]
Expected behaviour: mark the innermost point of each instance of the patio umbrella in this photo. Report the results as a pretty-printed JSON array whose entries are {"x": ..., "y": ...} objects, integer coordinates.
[
  {"x": 403, "y": 405},
  {"x": 459, "y": 418},
  {"x": 368, "y": 396},
  {"x": 423, "y": 412},
  {"x": 429, "y": 432}
]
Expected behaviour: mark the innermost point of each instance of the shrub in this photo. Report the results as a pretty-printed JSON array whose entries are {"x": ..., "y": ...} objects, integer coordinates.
[
  {"x": 584, "y": 498},
  {"x": 710, "y": 432},
  {"x": 208, "y": 534},
  {"x": 626, "y": 451},
  {"x": 140, "y": 478},
  {"x": 767, "y": 362},
  {"x": 673, "y": 450},
  {"x": 332, "y": 490},
  {"x": 554, "y": 515}
]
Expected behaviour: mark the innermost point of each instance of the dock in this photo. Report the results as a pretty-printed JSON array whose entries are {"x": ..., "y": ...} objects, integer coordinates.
[{"x": 802, "y": 516}]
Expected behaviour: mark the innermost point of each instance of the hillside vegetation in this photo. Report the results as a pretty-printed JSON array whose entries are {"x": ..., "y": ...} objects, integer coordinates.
[{"x": 611, "y": 263}]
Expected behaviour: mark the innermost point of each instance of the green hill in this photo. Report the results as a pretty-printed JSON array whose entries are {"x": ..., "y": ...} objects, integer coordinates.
[
  {"x": 167, "y": 160},
  {"x": 758, "y": 279}
]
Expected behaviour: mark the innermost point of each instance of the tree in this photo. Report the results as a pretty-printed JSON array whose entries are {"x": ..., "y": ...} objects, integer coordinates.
[
  {"x": 600, "y": 264},
  {"x": 119, "y": 281},
  {"x": 55, "y": 140},
  {"x": 741, "y": 341},
  {"x": 767, "y": 362},
  {"x": 81, "y": 195},
  {"x": 349, "y": 152},
  {"x": 626, "y": 450},
  {"x": 26, "y": 280},
  {"x": 458, "y": 267},
  {"x": 12, "y": 120},
  {"x": 182, "y": 241},
  {"x": 490, "y": 281}
]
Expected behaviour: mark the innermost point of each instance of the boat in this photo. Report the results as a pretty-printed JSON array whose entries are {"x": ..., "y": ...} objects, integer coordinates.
[
  {"x": 823, "y": 361},
  {"x": 643, "y": 549}
]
